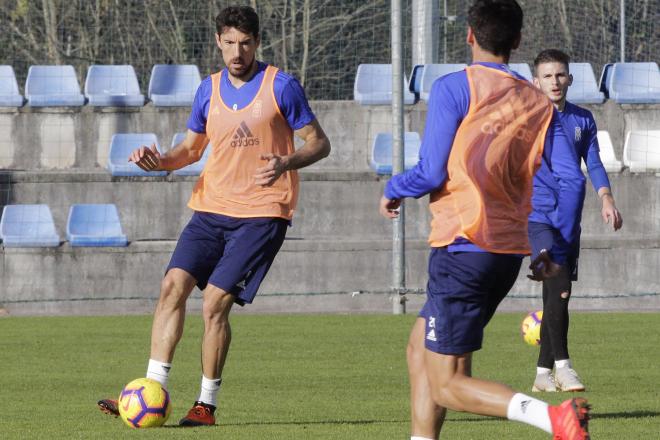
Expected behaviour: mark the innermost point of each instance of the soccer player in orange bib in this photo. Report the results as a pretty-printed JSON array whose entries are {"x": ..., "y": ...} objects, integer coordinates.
[
  {"x": 243, "y": 201},
  {"x": 488, "y": 131}
]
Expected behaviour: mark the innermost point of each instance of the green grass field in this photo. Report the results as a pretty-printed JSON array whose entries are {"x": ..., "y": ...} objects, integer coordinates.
[{"x": 308, "y": 377}]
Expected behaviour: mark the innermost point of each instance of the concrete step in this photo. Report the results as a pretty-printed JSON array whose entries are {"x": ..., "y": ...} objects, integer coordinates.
[{"x": 307, "y": 276}]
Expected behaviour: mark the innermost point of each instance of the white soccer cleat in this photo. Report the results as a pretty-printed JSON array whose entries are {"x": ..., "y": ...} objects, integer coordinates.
[
  {"x": 544, "y": 382},
  {"x": 567, "y": 379}
]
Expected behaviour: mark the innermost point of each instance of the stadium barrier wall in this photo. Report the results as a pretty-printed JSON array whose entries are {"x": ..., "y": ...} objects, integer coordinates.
[{"x": 337, "y": 257}]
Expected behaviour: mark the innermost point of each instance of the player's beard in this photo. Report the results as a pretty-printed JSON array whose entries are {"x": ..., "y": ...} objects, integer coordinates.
[{"x": 242, "y": 73}]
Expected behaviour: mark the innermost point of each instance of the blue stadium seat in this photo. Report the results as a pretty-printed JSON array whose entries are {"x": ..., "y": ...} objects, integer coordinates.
[
  {"x": 641, "y": 152},
  {"x": 94, "y": 226},
  {"x": 584, "y": 89},
  {"x": 373, "y": 85},
  {"x": 416, "y": 79},
  {"x": 9, "y": 94},
  {"x": 432, "y": 72},
  {"x": 605, "y": 79},
  {"x": 194, "y": 169},
  {"x": 28, "y": 226},
  {"x": 173, "y": 84},
  {"x": 635, "y": 83},
  {"x": 53, "y": 86},
  {"x": 121, "y": 147},
  {"x": 113, "y": 86},
  {"x": 522, "y": 69},
  {"x": 381, "y": 152}
]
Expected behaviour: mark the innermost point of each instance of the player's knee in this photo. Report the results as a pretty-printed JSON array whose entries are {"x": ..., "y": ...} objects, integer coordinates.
[
  {"x": 215, "y": 308},
  {"x": 171, "y": 293}
]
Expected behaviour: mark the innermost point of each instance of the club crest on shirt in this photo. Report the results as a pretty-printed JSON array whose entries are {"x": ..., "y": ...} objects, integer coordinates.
[
  {"x": 578, "y": 134},
  {"x": 257, "y": 108}
]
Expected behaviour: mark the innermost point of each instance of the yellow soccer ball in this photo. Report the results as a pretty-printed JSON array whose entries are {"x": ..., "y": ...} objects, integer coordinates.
[
  {"x": 144, "y": 403},
  {"x": 530, "y": 329}
]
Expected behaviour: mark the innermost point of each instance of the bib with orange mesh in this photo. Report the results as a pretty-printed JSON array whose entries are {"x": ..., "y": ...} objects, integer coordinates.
[
  {"x": 238, "y": 139},
  {"x": 497, "y": 149}
]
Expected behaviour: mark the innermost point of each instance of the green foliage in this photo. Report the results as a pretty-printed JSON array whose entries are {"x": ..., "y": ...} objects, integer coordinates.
[{"x": 308, "y": 376}]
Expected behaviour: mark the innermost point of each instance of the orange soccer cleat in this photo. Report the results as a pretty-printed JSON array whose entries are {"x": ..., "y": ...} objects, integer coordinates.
[{"x": 570, "y": 420}]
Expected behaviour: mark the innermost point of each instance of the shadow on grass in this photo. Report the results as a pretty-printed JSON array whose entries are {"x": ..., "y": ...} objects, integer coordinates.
[
  {"x": 624, "y": 415},
  {"x": 338, "y": 422}
]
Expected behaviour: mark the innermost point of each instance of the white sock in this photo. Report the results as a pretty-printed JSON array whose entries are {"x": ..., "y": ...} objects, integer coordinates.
[
  {"x": 563, "y": 363},
  {"x": 542, "y": 370},
  {"x": 159, "y": 371},
  {"x": 528, "y": 410},
  {"x": 209, "y": 391},
  {"x": 416, "y": 437}
]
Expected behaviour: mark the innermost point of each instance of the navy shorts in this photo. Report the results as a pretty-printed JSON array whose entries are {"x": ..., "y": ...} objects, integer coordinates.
[
  {"x": 231, "y": 253},
  {"x": 463, "y": 292},
  {"x": 542, "y": 236}
]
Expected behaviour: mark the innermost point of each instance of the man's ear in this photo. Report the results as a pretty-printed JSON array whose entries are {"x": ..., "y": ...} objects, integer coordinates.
[
  {"x": 570, "y": 79},
  {"x": 470, "y": 39},
  {"x": 516, "y": 42}
]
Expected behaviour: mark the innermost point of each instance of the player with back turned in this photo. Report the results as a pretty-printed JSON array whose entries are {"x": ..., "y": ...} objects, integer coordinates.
[{"x": 487, "y": 132}]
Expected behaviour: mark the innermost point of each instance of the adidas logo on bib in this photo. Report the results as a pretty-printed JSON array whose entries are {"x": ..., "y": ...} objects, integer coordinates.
[{"x": 243, "y": 137}]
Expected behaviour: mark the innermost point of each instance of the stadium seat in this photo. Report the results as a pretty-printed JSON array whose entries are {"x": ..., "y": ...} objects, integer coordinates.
[
  {"x": 28, "y": 226},
  {"x": 53, "y": 86},
  {"x": 113, "y": 86},
  {"x": 194, "y": 169},
  {"x": 416, "y": 79},
  {"x": 522, "y": 69},
  {"x": 381, "y": 152},
  {"x": 94, "y": 226},
  {"x": 605, "y": 78},
  {"x": 432, "y": 72},
  {"x": 641, "y": 152},
  {"x": 373, "y": 85},
  {"x": 9, "y": 94},
  {"x": 607, "y": 156},
  {"x": 635, "y": 83},
  {"x": 121, "y": 147},
  {"x": 584, "y": 89},
  {"x": 173, "y": 84}
]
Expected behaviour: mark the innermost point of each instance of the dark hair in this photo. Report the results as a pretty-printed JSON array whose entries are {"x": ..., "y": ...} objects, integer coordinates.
[
  {"x": 551, "y": 56},
  {"x": 496, "y": 24},
  {"x": 243, "y": 18}
]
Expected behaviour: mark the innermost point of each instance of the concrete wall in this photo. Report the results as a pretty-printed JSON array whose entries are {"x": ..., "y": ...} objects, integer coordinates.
[
  {"x": 337, "y": 256},
  {"x": 56, "y": 138}
]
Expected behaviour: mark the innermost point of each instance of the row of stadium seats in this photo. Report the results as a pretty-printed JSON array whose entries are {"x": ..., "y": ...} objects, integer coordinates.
[
  {"x": 641, "y": 152},
  {"x": 625, "y": 83},
  {"x": 87, "y": 225},
  {"x": 105, "y": 86}
]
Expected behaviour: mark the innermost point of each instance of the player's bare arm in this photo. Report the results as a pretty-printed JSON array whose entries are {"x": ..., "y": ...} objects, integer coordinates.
[
  {"x": 189, "y": 151},
  {"x": 609, "y": 212},
  {"x": 315, "y": 148}
]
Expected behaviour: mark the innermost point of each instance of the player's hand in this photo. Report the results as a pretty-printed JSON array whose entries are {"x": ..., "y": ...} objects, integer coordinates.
[
  {"x": 543, "y": 267},
  {"x": 269, "y": 173},
  {"x": 389, "y": 208},
  {"x": 610, "y": 214},
  {"x": 147, "y": 158}
]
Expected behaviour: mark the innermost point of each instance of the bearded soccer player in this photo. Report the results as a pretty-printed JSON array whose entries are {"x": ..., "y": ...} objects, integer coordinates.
[
  {"x": 487, "y": 132},
  {"x": 243, "y": 202},
  {"x": 552, "y": 76}
]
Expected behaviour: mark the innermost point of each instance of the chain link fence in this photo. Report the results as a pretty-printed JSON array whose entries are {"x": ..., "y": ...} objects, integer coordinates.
[{"x": 319, "y": 41}]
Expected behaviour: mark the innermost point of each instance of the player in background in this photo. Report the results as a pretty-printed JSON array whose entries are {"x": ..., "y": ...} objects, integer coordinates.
[
  {"x": 243, "y": 202},
  {"x": 552, "y": 76},
  {"x": 487, "y": 132}
]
